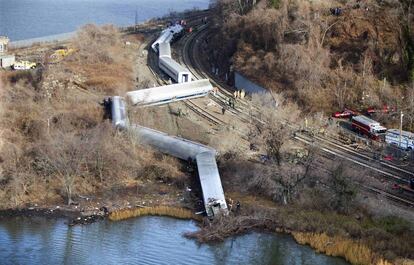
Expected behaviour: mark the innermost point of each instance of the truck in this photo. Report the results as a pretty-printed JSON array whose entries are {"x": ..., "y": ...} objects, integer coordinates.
[
  {"x": 368, "y": 127},
  {"x": 401, "y": 139},
  {"x": 24, "y": 65},
  {"x": 59, "y": 54}
]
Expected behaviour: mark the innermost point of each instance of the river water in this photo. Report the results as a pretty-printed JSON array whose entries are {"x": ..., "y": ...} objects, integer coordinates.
[
  {"x": 27, "y": 19},
  {"x": 145, "y": 240}
]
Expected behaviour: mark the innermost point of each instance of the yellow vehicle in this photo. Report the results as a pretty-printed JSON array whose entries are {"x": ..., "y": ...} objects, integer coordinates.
[
  {"x": 59, "y": 54},
  {"x": 24, "y": 65}
]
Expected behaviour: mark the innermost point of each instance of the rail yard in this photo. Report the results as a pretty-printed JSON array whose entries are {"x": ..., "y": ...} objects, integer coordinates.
[{"x": 385, "y": 170}]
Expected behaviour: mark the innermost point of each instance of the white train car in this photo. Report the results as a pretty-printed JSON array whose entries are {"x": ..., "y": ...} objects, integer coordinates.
[
  {"x": 174, "y": 70},
  {"x": 170, "y": 93},
  {"x": 118, "y": 113},
  {"x": 164, "y": 50},
  {"x": 167, "y": 35},
  {"x": 171, "y": 145},
  {"x": 213, "y": 194},
  {"x": 407, "y": 139}
]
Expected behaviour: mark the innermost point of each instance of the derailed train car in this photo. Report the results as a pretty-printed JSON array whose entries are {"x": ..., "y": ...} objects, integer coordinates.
[
  {"x": 213, "y": 195},
  {"x": 170, "y": 93},
  {"x": 118, "y": 112},
  {"x": 173, "y": 69},
  {"x": 205, "y": 157},
  {"x": 167, "y": 36}
]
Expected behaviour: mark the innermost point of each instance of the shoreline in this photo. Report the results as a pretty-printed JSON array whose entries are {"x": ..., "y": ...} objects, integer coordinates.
[
  {"x": 351, "y": 250},
  {"x": 61, "y": 37}
]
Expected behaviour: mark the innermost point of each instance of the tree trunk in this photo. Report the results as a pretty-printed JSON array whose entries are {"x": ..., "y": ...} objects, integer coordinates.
[{"x": 68, "y": 187}]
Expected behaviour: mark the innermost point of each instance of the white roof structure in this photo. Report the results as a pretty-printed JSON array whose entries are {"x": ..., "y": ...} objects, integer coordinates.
[{"x": 164, "y": 94}]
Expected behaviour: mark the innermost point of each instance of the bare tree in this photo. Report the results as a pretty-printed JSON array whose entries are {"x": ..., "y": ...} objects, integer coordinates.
[
  {"x": 343, "y": 190},
  {"x": 65, "y": 155},
  {"x": 274, "y": 127},
  {"x": 289, "y": 177}
]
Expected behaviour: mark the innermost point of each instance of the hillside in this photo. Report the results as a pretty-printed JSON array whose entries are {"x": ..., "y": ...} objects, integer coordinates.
[{"x": 358, "y": 58}]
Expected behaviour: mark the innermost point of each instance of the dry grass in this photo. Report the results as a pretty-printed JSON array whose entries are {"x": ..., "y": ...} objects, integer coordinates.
[
  {"x": 353, "y": 251},
  {"x": 55, "y": 143},
  {"x": 103, "y": 60},
  {"x": 169, "y": 211}
]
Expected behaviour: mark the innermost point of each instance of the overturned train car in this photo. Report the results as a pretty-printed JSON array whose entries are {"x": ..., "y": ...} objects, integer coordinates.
[{"x": 213, "y": 194}]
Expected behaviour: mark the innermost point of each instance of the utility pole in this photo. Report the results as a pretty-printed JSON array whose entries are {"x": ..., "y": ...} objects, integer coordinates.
[
  {"x": 136, "y": 21},
  {"x": 401, "y": 124}
]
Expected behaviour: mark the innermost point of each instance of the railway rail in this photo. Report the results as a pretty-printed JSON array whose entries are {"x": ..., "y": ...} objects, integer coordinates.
[
  {"x": 384, "y": 168},
  {"x": 153, "y": 67}
]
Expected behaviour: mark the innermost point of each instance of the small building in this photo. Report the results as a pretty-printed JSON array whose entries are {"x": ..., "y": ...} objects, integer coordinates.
[
  {"x": 6, "y": 60},
  {"x": 4, "y": 43}
]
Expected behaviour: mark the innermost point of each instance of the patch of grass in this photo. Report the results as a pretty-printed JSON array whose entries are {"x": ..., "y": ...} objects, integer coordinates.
[
  {"x": 274, "y": 3},
  {"x": 175, "y": 212},
  {"x": 394, "y": 225}
]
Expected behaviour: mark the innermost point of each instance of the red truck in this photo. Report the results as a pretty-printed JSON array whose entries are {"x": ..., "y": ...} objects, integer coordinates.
[
  {"x": 368, "y": 127},
  {"x": 346, "y": 113}
]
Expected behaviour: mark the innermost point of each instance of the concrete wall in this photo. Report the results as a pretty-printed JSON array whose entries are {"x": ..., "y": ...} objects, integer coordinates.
[
  {"x": 242, "y": 82},
  {"x": 6, "y": 60}
]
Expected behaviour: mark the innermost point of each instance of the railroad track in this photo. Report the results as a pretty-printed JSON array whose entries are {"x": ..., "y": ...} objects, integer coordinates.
[
  {"x": 187, "y": 58},
  {"x": 400, "y": 199},
  {"x": 385, "y": 169},
  {"x": 190, "y": 104},
  {"x": 195, "y": 108},
  {"x": 405, "y": 174}
]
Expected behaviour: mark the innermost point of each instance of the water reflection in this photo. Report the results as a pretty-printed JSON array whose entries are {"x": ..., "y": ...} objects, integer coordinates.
[{"x": 146, "y": 240}]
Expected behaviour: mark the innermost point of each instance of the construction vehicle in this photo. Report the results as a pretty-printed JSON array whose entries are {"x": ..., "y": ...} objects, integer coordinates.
[
  {"x": 59, "y": 54},
  {"x": 24, "y": 65}
]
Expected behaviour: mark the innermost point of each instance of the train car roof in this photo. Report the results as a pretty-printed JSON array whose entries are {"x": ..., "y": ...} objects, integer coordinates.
[
  {"x": 164, "y": 49},
  {"x": 172, "y": 145},
  {"x": 209, "y": 177},
  {"x": 404, "y": 133},
  {"x": 156, "y": 94},
  {"x": 173, "y": 65},
  {"x": 365, "y": 119}
]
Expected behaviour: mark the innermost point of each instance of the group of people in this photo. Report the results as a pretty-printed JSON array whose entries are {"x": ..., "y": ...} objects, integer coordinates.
[
  {"x": 232, "y": 101},
  {"x": 231, "y": 203},
  {"x": 239, "y": 94}
]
